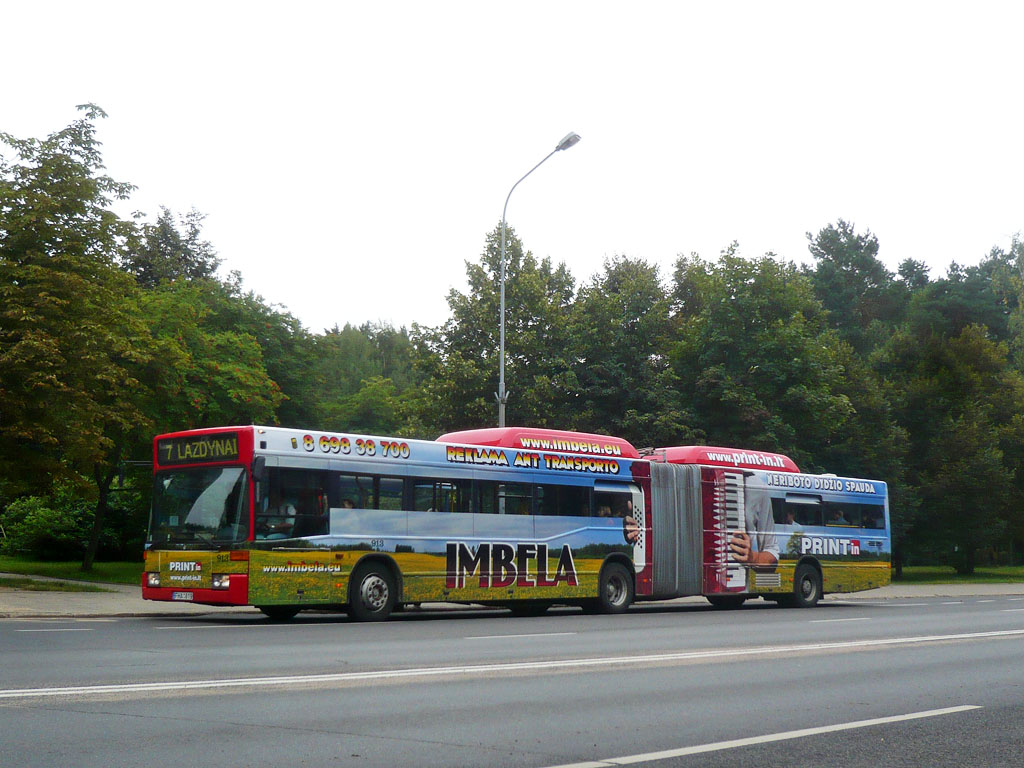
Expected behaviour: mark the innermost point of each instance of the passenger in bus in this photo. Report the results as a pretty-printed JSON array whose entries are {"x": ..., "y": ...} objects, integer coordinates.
[
  {"x": 838, "y": 518},
  {"x": 347, "y": 504},
  {"x": 604, "y": 511},
  {"x": 279, "y": 518}
]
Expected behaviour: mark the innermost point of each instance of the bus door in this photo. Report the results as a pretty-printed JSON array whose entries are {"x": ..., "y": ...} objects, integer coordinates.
[{"x": 622, "y": 500}]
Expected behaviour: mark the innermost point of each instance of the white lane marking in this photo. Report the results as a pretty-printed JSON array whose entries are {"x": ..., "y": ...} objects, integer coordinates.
[
  {"x": 1012, "y": 610},
  {"x": 516, "y": 666},
  {"x": 766, "y": 739},
  {"x": 516, "y": 637},
  {"x": 986, "y": 601},
  {"x": 59, "y": 629},
  {"x": 827, "y": 621},
  {"x": 265, "y": 625},
  {"x": 953, "y": 602},
  {"x": 1015, "y": 599}
]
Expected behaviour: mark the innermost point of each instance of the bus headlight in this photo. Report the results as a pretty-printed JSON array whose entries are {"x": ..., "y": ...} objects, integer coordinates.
[
  {"x": 153, "y": 578},
  {"x": 221, "y": 580}
]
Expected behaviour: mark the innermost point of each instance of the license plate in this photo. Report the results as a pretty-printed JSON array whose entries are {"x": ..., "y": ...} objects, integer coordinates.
[{"x": 181, "y": 595}]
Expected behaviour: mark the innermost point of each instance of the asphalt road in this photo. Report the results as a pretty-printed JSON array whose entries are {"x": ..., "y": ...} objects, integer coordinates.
[{"x": 911, "y": 682}]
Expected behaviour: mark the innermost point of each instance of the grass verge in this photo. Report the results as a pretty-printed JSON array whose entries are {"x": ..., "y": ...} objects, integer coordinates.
[
  {"x": 944, "y": 574},
  {"x": 33, "y": 585},
  {"x": 108, "y": 573}
]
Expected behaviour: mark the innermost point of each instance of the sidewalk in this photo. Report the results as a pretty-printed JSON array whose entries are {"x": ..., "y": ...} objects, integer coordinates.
[
  {"x": 127, "y": 601},
  {"x": 120, "y": 600}
]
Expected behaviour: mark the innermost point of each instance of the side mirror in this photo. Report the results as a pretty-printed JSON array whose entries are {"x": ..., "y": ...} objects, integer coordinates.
[{"x": 259, "y": 469}]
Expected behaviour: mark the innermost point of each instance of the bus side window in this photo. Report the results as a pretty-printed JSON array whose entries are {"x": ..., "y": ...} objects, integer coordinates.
[
  {"x": 504, "y": 498},
  {"x": 494, "y": 498},
  {"x": 779, "y": 512},
  {"x": 872, "y": 517},
  {"x": 842, "y": 514},
  {"x": 612, "y": 504},
  {"x": 563, "y": 500},
  {"x": 356, "y": 491},
  {"x": 389, "y": 493},
  {"x": 515, "y": 499},
  {"x": 441, "y": 495},
  {"x": 807, "y": 514}
]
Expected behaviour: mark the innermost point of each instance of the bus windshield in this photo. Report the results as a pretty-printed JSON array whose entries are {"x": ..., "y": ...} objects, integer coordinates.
[{"x": 206, "y": 505}]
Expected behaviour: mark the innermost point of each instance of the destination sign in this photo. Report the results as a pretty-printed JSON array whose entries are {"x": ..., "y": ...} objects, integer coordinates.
[{"x": 197, "y": 449}]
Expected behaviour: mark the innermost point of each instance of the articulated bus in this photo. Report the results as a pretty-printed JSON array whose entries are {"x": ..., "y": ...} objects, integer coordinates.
[{"x": 286, "y": 520}]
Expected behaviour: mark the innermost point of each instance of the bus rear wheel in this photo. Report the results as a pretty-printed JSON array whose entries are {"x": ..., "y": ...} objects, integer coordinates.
[
  {"x": 806, "y": 588},
  {"x": 278, "y": 612},
  {"x": 371, "y": 593},
  {"x": 615, "y": 589}
]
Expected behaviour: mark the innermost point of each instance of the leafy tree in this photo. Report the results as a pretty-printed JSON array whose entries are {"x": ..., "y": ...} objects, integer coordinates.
[
  {"x": 394, "y": 352},
  {"x": 206, "y": 375},
  {"x": 979, "y": 295},
  {"x": 860, "y": 294},
  {"x": 959, "y": 401},
  {"x": 458, "y": 362},
  {"x": 621, "y": 327},
  {"x": 757, "y": 365},
  {"x": 72, "y": 342},
  {"x": 286, "y": 348},
  {"x": 376, "y": 408},
  {"x": 364, "y": 378},
  {"x": 165, "y": 252},
  {"x": 345, "y": 358}
]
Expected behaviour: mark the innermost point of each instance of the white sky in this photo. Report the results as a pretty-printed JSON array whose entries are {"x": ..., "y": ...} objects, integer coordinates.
[{"x": 351, "y": 157}]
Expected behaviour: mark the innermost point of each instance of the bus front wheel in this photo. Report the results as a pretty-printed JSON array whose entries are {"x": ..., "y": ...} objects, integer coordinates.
[
  {"x": 615, "y": 593},
  {"x": 371, "y": 593},
  {"x": 806, "y": 588}
]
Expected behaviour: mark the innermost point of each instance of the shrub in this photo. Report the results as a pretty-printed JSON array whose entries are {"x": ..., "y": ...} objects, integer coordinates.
[{"x": 35, "y": 526}]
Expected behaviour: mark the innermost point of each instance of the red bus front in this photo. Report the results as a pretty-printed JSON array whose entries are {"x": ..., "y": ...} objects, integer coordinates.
[{"x": 201, "y": 519}]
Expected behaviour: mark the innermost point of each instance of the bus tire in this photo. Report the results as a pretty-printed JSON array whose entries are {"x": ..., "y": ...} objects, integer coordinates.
[
  {"x": 806, "y": 588},
  {"x": 278, "y": 612},
  {"x": 726, "y": 602},
  {"x": 372, "y": 593},
  {"x": 615, "y": 589}
]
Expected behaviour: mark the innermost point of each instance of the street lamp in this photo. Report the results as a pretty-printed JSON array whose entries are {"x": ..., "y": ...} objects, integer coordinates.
[{"x": 502, "y": 394}]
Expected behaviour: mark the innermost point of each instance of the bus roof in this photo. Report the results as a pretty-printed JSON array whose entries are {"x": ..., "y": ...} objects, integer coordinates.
[
  {"x": 724, "y": 457},
  {"x": 544, "y": 440}
]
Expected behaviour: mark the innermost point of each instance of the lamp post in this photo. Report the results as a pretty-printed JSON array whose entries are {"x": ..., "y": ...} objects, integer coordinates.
[{"x": 502, "y": 394}]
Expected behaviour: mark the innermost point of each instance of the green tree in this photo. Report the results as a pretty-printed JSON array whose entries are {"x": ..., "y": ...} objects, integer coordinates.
[
  {"x": 364, "y": 380},
  {"x": 287, "y": 349},
  {"x": 985, "y": 294},
  {"x": 862, "y": 298},
  {"x": 756, "y": 363},
  {"x": 621, "y": 328},
  {"x": 959, "y": 401},
  {"x": 169, "y": 250},
  {"x": 205, "y": 374},
  {"x": 458, "y": 361},
  {"x": 72, "y": 342}
]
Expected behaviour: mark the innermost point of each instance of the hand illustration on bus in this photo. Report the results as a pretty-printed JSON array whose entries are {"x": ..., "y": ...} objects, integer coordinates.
[{"x": 762, "y": 548}]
